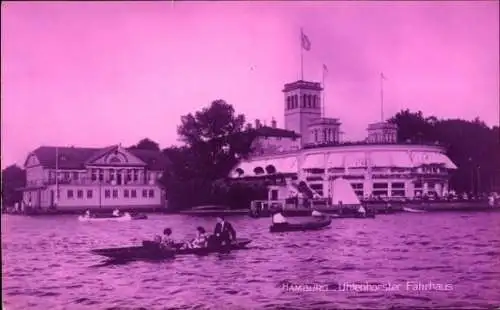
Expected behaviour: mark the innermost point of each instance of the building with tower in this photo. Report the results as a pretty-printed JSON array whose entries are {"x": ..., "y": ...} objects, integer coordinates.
[{"x": 310, "y": 148}]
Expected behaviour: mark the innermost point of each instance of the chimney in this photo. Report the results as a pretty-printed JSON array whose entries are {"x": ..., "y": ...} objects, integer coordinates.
[
  {"x": 273, "y": 123},
  {"x": 257, "y": 124}
]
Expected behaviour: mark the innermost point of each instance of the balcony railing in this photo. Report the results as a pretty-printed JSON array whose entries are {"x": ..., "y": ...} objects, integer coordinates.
[{"x": 354, "y": 143}]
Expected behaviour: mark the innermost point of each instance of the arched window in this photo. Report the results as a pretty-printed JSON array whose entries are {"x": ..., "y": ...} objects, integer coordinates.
[
  {"x": 270, "y": 169},
  {"x": 258, "y": 170}
]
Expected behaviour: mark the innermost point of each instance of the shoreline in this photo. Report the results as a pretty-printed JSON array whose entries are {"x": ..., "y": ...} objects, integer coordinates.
[{"x": 382, "y": 208}]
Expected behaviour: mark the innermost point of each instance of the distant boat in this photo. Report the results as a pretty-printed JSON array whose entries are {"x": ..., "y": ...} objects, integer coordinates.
[
  {"x": 214, "y": 211},
  {"x": 413, "y": 210},
  {"x": 125, "y": 217}
]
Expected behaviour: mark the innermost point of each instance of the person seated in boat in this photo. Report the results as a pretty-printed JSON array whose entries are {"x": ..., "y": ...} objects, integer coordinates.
[
  {"x": 224, "y": 232},
  {"x": 201, "y": 240},
  {"x": 362, "y": 211},
  {"x": 166, "y": 240},
  {"x": 116, "y": 212},
  {"x": 87, "y": 214},
  {"x": 491, "y": 200},
  {"x": 279, "y": 220}
]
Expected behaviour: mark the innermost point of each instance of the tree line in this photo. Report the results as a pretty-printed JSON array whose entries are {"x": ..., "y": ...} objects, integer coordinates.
[
  {"x": 471, "y": 145},
  {"x": 216, "y": 138}
]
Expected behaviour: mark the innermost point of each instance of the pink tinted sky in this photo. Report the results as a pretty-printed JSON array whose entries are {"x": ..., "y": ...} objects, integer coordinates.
[{"x": 95, "y": 74}]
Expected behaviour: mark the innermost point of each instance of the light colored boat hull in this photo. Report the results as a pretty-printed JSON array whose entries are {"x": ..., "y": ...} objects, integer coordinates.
[{"x": 122, "y": 218}]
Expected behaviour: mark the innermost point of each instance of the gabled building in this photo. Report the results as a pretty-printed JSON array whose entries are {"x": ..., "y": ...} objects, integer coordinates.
[{"x": 78, "y": 178}]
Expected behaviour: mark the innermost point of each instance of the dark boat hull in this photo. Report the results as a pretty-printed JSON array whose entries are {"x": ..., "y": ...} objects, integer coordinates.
[
  {"x": 135, "y": 252},
  {"x": 312, "y": 225},
  {"x": 353, "y": 216},
  {"x": 214, "y": 212},
  {"x": 139, "y": 216},
  {"x": 133, "y": 216},
  {"x": 150, "y": 250}
]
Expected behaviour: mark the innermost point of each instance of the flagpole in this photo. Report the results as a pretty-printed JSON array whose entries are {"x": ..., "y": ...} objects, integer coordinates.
[
  {"x": 324, "y": 90},
  {"x": 381, "y": 97},
  {"x": 301, "y": 56}
]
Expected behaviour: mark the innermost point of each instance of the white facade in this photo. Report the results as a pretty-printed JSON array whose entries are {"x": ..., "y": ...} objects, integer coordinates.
[
  {"x": 387, "y": 170},
  {"x": 83, "y": 178},
  {"x": 377, "y": 166}
]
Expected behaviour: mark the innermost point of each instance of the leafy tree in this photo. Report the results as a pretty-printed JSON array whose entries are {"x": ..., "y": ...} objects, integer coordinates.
[
  {"x": 216, "y": 137},
  {"x": 215, "y": 140},
  {"x": 471, "y": 145},
  {"x": 146, "y": 144},
  {"x": 13, "y": 178}
]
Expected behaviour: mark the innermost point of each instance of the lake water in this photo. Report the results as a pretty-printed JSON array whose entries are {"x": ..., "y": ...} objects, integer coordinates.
[{"x": 401, "y": 260}]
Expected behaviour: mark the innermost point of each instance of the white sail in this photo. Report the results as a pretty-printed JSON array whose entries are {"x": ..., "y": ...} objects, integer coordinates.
[{"x": 342, "y": 191}]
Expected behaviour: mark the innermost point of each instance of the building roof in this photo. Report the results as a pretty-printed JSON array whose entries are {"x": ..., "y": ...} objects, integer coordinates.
[
  {"x": 77, "y": 157},
  {"x": 266, "y": 131},
  {"x": 302, "y": 85},
  {"x": 382, "y": 125},
  {"x": 325, "y": 121},
  {"x": 403, "y": 158}
]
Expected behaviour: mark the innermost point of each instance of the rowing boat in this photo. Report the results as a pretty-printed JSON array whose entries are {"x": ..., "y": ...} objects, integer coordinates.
[
  {"x": 413, "y": 210},
  {"x": 107, "y": 218},
  {"x": 151, "y": 250},
  {"x": 125, "y": 217},
  {"x": 309, "y": 225}
]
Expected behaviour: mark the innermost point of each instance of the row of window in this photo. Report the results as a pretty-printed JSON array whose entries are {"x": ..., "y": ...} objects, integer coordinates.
[
  {"x": 309, "y": 101},
  {"x": 99, "y": 174},
  {"x": 327, "y": 135},
  {"x": 127, "y": 193}
]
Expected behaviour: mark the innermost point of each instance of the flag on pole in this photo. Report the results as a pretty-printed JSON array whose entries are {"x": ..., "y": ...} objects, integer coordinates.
[
  {"x": 382, "y": 76},
  {"x": 325, "y": 68},
  {"x": 306, "y": 44}
]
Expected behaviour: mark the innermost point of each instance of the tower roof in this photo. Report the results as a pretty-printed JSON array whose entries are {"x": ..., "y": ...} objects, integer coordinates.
[{"x": 302, "y": 85}]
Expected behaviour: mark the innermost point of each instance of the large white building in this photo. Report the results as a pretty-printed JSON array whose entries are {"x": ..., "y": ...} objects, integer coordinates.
[
  {"x": 310, "y": 149},
  {"x": 77, "y": 178}
]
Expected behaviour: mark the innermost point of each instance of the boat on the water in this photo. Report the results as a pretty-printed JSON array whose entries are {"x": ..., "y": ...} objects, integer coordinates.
[
  {"x": 314, "y": 224},
  {"x": 352, "y": 215},
  {"x": 406, "y": 209},
  {"x": 106, "y": 218},
  {"x": 151, "y": 250},
  {"x": 214, "y": 211}
]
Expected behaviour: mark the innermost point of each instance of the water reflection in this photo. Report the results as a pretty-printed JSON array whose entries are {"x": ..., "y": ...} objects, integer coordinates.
[{"x": 47, "y": 263}]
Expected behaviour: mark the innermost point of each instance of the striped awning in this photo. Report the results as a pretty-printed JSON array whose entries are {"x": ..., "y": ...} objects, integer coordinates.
[{"x": 314, "y": 161}]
